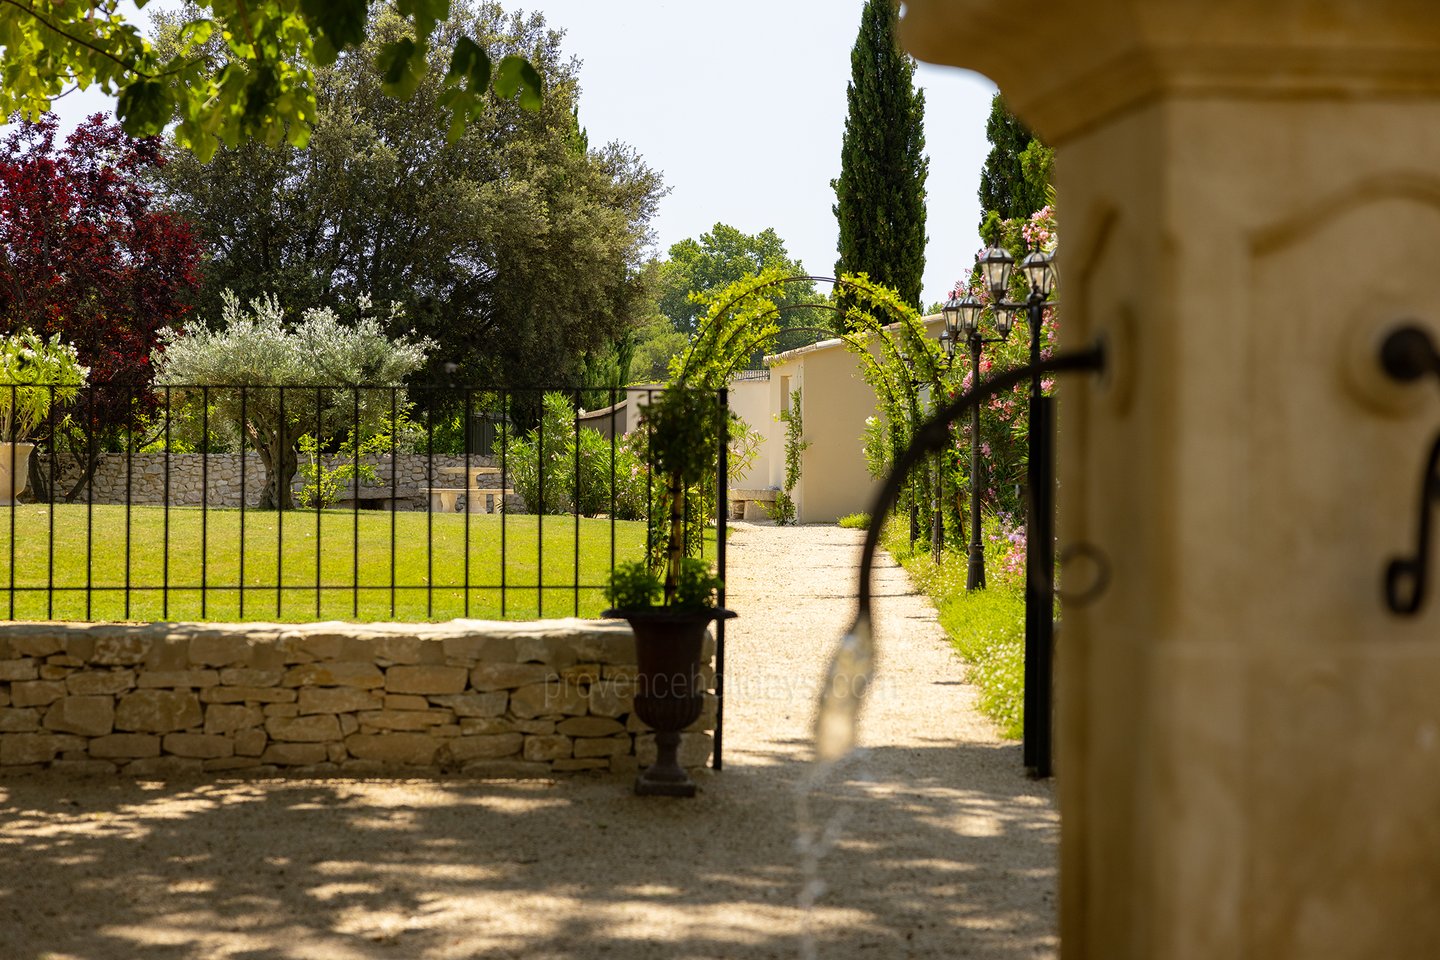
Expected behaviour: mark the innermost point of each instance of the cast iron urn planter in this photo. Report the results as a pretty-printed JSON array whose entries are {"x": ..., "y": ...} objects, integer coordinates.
[{"x": 669, "y": 685}]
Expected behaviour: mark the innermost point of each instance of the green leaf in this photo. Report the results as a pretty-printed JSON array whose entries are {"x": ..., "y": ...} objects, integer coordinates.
[
  {"x": 338, "y": 24},
  {"x": 402, "y": 64},
  {"x": 426, "y": 13},
  {"x": 196, "y": 33},
  {"x": 517, "y": 73},
  {"x": 471, "y": 64},
  {"x": 143, "y": 108}
]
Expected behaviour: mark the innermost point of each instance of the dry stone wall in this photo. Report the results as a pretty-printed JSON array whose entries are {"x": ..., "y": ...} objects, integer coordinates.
[
  {"x": 142, "y": 477},
  {"x": 470, "y": 697}
]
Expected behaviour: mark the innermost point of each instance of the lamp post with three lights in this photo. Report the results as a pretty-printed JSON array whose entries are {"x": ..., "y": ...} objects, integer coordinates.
[
  {"x": 997, "y": 267},
  {"x": 962, "y": 322}
]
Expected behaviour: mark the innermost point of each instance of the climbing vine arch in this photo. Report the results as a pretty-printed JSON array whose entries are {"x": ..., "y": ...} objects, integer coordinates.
[{"x": 880, "y": 330}]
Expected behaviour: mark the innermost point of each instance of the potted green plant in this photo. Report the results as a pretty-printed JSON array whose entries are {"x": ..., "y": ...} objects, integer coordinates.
[
  {"x": 670, "y": 616},
  {"x": 35, "y": 374}
]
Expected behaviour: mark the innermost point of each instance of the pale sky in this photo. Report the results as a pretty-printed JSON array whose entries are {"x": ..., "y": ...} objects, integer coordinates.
[{"x": 741, "y": 106}]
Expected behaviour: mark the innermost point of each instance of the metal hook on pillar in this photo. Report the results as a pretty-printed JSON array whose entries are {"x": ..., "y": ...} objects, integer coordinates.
[{"x": 1407, "y": 354}]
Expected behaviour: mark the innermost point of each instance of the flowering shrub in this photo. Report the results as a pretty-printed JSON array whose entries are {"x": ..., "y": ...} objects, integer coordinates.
[
  {"x": 1005, "y": 419},
  {"x": 35, "y": 374},
  {"x": 1005, "y": 549}
]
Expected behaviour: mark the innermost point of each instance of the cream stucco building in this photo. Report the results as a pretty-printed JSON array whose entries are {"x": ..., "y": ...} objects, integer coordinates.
[{"x": 835, "y": 403}]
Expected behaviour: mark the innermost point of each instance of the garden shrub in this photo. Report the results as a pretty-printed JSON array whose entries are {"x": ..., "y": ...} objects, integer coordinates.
[
  {"x": 855, "y": 521},
  {"x": 586, "y": 490}
]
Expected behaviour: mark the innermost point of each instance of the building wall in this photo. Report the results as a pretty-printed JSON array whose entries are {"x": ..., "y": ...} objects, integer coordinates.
[
  {"x": 835, "y": 400},
  {"x": 750, "y": 400}
]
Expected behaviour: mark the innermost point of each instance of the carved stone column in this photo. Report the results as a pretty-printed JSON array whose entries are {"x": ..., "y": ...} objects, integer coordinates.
[{"x": 1249, "y": 741}]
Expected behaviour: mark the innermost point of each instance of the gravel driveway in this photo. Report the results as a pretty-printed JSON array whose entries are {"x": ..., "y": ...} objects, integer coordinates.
[{"x": 946, "y": 850}]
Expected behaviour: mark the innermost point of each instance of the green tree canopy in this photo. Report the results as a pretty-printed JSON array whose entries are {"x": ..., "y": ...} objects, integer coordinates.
[
  {"x": 880, "y": 193},
  {"x": 1016, "y": 174},
  {"x": 716, "y": 260},
  {"x": 257, "y": 350},
  {"x": 515, "y": 247},
  {"x": 262, "y": 87}
]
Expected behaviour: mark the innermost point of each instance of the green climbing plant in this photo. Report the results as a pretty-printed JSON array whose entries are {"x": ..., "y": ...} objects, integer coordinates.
[{"x": 793, "y": 417}]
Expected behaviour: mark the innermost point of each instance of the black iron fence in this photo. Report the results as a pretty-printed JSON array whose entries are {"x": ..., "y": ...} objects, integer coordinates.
[{"x": 306, "y": 502}]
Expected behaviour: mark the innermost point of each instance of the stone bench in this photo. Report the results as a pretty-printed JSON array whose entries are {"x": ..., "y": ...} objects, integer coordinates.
[
  {"x": 751, "y": 503},
  {"x": 477, "y": 499}
]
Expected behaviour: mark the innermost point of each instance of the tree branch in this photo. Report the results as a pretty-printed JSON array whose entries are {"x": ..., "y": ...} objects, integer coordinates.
[{"x": 128, "y": 65}]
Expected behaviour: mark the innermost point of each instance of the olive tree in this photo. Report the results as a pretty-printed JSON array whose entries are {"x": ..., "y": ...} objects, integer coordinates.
[{"x": 277, "y": 383}]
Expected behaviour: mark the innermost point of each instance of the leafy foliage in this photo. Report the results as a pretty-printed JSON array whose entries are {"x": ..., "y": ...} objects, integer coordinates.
[
  {"x": 576, "y": 466},
  {"x": 696, "y": 584},
  {"x": 634, "y": 585},
  {"x": 880, "y": 193},
  {"x": 682, "y": 430},
  {"x": 795, "y": 444},
  {"x": 515, "y": 246},
  {"x": 87, "y": 253},
  {"x": 235, "y": 70},
  {"x": 854, "y": 521},
  {"x": 328, "y": 477},
  {"x": 35, "y": 375},
  {"x": 719, "y": 259},
  {"x": 1017, "y": 170},
  {"x": 297, "y": 381}
]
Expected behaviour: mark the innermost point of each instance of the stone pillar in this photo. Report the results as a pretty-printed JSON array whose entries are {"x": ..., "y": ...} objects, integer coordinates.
[{"x": 1249, "y": 741}]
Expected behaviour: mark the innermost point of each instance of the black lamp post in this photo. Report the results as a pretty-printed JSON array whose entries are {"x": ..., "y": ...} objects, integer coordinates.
[
  {"x": 1039, "y": 271},
  {"x": 962, "y": 319},
  {"x": 1038, "y": 268}
]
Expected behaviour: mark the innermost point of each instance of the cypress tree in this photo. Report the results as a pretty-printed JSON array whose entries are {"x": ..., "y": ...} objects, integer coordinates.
[
  {"x": 880, "y": 194},
  {"x": 1006, "y": 187}
]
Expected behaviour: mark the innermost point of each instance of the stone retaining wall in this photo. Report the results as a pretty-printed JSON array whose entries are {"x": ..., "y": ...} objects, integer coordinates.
[
  {"x": 191, "y": 475},
  {"x": 471, "y": 697}
]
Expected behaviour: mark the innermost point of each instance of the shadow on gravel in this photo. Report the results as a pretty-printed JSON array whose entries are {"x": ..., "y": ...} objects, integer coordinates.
[{"x": 927, "y": 866}]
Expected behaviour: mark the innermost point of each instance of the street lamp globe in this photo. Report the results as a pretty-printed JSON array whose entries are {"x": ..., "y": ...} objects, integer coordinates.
[
  {"x": 951, "y": 313},
  {"x": 1039, "y": 269},
  {"x": 970, "y": 310},
  {"x": 1004, "y": 321},
  {"x": 995, "y": 265}
]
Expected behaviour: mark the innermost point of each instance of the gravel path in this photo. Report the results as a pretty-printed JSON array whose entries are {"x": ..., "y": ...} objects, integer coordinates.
[{"x": 947, "y": 850}]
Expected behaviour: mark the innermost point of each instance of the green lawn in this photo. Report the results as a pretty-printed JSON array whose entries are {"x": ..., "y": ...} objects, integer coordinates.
[{"x": 74, "y": 563}]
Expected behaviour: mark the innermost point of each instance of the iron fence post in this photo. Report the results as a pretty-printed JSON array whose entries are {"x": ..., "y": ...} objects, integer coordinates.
[
  {"x": 1040, "y": 588},
  {"x": 722, "y": 503}
]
